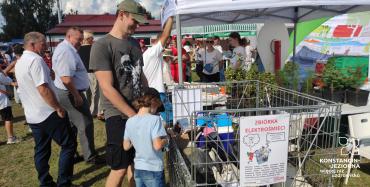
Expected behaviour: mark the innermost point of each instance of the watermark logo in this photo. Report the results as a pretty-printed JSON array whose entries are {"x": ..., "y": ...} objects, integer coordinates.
[{"x": 348, "y": 145}]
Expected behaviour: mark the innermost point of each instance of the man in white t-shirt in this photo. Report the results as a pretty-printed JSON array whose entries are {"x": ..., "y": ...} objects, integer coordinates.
[
  {"x": 71, "y": 81},
  {"x": 153, "y": 65},
  {"x": 44, "y": 114},
  {"x": 153, "y": 59}
]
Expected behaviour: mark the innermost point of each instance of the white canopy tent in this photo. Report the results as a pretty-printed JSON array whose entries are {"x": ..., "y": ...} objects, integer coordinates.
[{"x": 210, "y": 12}]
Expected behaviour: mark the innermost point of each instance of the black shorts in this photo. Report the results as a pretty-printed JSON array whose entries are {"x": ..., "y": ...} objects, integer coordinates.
[
  {"x": 117, "y": 157},
  {"x": 6, "y": 114}
]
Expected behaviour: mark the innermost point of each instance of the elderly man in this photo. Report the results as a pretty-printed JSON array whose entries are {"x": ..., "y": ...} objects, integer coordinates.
[
  {"x": 117, "y": 63},
  {"x": 44, "y": 114},
  {"x": 93, "y": 92},
  {"x": 71, "y": 80}
]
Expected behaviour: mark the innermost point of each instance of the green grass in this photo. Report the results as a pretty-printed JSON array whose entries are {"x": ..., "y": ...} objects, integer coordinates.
[
  {"x": 17, "y": 168},
  {"x": 16, "y": 161}
]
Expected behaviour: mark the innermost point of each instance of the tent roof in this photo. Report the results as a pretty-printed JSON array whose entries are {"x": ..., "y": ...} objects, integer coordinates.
[
  {"x": 207, "y": 12},
  {"x": 211, "y": 12}
]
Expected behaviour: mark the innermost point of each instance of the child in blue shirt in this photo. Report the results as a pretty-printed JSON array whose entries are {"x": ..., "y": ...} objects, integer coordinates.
[{"x": 145, "y": 132}]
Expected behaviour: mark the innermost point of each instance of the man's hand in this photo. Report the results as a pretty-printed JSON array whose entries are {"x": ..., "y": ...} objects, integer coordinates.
[
  {"x": 14, "y": 84},
  {"x": 61, "y": 112},
  {"x": 68, "y": 83},
  {"x": 77, "y": 100}
]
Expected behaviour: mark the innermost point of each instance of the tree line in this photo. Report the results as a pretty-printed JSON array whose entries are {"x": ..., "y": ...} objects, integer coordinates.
[{"x": 22, "y": 16}]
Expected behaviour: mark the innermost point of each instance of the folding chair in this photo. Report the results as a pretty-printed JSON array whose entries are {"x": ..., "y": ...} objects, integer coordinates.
[{"x": 359, "y": 129}]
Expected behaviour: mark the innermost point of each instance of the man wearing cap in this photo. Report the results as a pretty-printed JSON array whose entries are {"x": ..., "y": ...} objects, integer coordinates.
[
  {"x": 153, "y": 65},
  {"x": 71, "y": 80},
  {"x": 117, "y": 64}
]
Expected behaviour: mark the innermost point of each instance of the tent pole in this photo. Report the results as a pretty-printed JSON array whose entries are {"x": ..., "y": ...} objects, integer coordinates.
[
  {"x": 295, "y": 32},
  {"x": 179, "y": 49},
  {"x": 294, "y": 40}
]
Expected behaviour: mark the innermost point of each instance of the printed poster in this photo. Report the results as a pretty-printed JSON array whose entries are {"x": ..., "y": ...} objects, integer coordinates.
[
  {"x": 168, "y": 9},
  {"x": 346, "y": 34},
  {"x": 263, "y": 149}
]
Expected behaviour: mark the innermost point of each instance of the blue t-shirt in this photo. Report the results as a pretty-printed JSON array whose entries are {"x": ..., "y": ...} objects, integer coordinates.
[{"x": 141, "y": 130}]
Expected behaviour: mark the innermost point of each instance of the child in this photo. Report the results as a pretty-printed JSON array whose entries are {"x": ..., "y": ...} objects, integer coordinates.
[
  {"x": 6, "y": 109},
  {"x": 145, "y": 132}
]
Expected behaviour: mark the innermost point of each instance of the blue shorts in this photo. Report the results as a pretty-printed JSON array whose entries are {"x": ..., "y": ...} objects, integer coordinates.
[{"x": 144, "y": 178}]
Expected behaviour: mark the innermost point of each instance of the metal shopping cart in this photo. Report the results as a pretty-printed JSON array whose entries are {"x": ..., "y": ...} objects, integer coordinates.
[{"x": 210, "y": 114}]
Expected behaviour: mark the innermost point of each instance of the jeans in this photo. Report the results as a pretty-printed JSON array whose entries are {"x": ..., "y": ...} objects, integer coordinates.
[
  {"x": 145, "y": 178},
  {"x": 59, "y": 130}
]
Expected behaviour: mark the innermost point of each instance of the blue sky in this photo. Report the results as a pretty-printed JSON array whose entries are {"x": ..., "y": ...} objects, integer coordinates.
[{"x": 101, "y": 6}]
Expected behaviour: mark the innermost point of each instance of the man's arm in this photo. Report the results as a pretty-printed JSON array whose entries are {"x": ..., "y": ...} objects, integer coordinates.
[
  {"x": 48, "y": 95},
  {"x": 9, "y": 68},
  {"x": 5, "y": 80},
  {"x": 105, "y": 79},
  {"x": 68, "y": 83},
  {"x": 144, "y": 81},
  {"x": 166, "y": 31}
]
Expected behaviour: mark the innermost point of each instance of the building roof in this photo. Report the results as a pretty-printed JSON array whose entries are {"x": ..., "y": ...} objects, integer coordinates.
[{"x": 99, "y": 24}]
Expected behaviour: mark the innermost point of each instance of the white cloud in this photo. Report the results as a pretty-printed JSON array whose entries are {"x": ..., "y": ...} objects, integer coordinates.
[
  {"x": 152, "y": 6},
  {"x": 106, "y": 6},
  {"x": 100, "y": 7}
]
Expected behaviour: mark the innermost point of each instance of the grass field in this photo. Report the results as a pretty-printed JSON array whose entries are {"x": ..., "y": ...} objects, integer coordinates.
[
  {"x": 17, "y": 167},
  {"x": 16, "y": 161}
]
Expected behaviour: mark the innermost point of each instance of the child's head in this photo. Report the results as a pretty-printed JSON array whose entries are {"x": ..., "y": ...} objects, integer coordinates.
[{"x": 150, "y": 99}]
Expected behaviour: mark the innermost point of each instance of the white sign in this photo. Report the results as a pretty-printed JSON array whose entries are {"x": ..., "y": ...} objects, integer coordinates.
[
  {"x": 168, "y": 9},
  {"x": 263, "y": 149},
  {"x": 184, "y": 103}
]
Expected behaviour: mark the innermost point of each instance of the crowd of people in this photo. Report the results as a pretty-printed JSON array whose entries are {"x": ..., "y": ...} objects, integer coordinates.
[
  {"x": 207, "y": 57},
  {"x": 116, "y": 79}
]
